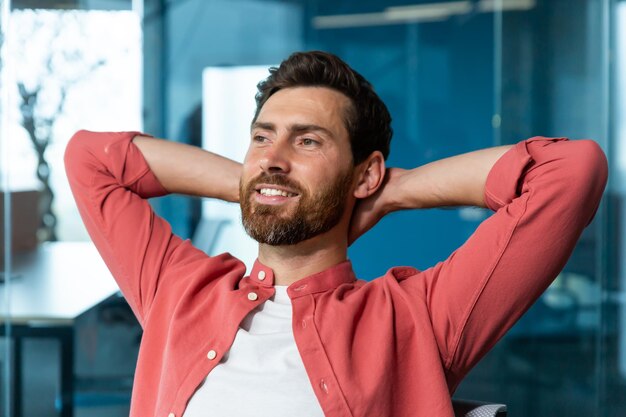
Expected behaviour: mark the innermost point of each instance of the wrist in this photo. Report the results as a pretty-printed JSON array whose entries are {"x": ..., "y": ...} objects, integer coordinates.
[
  {"x": 415, "y": 189},
  {"x": 394, "y": 185}
]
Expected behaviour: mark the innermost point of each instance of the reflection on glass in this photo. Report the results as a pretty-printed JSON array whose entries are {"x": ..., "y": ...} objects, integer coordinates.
[
  {"x": 70, "y": 70},
  {"x": 554, "y": 68}
]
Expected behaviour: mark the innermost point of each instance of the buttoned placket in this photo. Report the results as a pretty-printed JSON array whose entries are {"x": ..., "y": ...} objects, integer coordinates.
[
  {"x": 313, "y": 354},
  {"x": 250, "y": 299},
  {"x": 308, "y": 336}
]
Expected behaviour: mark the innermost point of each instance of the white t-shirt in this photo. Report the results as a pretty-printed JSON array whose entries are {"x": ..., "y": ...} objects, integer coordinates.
[{"x": 262, "y": 374}]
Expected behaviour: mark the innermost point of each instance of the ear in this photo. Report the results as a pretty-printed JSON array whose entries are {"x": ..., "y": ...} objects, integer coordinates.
[{"x": 370, "y": 175}]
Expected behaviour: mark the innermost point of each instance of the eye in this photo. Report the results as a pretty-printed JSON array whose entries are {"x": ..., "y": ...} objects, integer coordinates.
[
  {"x": 309, "y": 142},
  {"x": 259, "y": 139}
]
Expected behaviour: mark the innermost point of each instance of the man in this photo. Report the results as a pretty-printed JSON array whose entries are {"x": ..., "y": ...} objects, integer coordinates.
[{"x": 300, "y": 335}]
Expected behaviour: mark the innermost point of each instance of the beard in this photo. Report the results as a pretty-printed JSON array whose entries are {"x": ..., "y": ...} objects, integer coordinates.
[{"x": 313, "y": 215}]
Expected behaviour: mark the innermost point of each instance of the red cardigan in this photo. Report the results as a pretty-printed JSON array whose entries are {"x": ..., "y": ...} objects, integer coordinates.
[{"x": 397, "y": 346}]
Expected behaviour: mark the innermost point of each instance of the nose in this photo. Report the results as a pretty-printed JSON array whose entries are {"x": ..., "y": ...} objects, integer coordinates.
[{"x": 275, "y": 158}]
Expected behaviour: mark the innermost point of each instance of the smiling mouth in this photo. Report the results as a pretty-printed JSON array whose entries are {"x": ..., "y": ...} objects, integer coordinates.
[{"x": 271, "y": 192}]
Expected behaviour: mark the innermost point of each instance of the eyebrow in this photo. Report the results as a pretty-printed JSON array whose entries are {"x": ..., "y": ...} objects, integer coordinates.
[{"x": 293, "y": 128}]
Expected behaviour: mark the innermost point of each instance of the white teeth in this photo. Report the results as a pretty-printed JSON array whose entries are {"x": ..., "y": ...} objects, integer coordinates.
[{"x": 274, "y": 191}]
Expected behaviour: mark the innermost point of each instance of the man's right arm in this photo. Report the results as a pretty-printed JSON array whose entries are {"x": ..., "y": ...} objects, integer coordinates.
[
  {"x": 186, "y": 169},
  {"x": 112, "y": 178}
]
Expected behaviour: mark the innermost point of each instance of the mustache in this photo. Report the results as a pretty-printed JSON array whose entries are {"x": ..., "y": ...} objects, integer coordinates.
[{"x": 274, "y": 179}]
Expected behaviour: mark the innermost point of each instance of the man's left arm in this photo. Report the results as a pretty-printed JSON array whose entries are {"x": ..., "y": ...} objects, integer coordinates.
[
  {"x": 543, "y": 191},
  {"x": 455, "y": 181}
]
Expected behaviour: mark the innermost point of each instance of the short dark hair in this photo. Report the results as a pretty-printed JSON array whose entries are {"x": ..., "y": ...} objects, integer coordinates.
[{"x": 367, "y": 120}]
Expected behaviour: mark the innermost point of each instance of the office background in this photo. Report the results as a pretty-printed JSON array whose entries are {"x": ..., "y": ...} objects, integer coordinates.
[{"x": 456, "y": 75}]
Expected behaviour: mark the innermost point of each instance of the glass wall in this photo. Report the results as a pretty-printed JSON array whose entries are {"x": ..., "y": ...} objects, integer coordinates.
[
  {"x": 553, "y": 78},
  {"x": 66, "y": 66},
  {"x": 5, "y": 256},
  {"x": 456, "y": 75}
]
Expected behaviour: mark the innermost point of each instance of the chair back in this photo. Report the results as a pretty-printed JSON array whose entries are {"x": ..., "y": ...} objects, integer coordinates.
[{"x": 471, "y": 408}]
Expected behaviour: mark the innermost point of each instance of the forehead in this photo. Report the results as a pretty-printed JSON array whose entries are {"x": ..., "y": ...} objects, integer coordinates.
[{"x": 307, "y": 105}]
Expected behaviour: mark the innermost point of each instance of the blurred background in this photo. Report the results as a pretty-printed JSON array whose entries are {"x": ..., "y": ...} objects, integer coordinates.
[{"x": 456, "y": 75}]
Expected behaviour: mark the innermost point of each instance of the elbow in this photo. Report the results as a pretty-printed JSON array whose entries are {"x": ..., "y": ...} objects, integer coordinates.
[
  {"x": 592, "y": 168},
  {"x": 73, "y": 145},
  {"x": 588, "y": 176},
  {"x": 74, "y": 152}
]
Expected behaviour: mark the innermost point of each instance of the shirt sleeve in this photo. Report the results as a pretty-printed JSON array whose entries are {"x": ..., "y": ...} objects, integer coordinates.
[
  {"x": 544, "y": 192},
  {"x": 111, "y": 182}
]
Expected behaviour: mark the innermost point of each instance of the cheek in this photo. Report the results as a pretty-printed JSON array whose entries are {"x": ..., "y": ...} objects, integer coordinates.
[
  {"x": 320, "y": 184},
  {"x": 325, "y": 171}
]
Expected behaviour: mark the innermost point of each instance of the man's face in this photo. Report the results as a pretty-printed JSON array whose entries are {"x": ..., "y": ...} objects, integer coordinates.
[{"x": 297, "y": 175}]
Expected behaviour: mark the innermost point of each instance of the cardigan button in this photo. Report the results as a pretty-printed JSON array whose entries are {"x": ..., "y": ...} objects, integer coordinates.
[
  {"x": 171, "y": 415},
  {"x": 261, "y": 275},
  {"x": 252, "y": 296},
  {"x": 212, "y": 354}
]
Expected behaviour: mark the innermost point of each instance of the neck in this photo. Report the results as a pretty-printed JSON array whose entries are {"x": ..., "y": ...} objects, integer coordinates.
[{"x": 294, "y": 262}]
